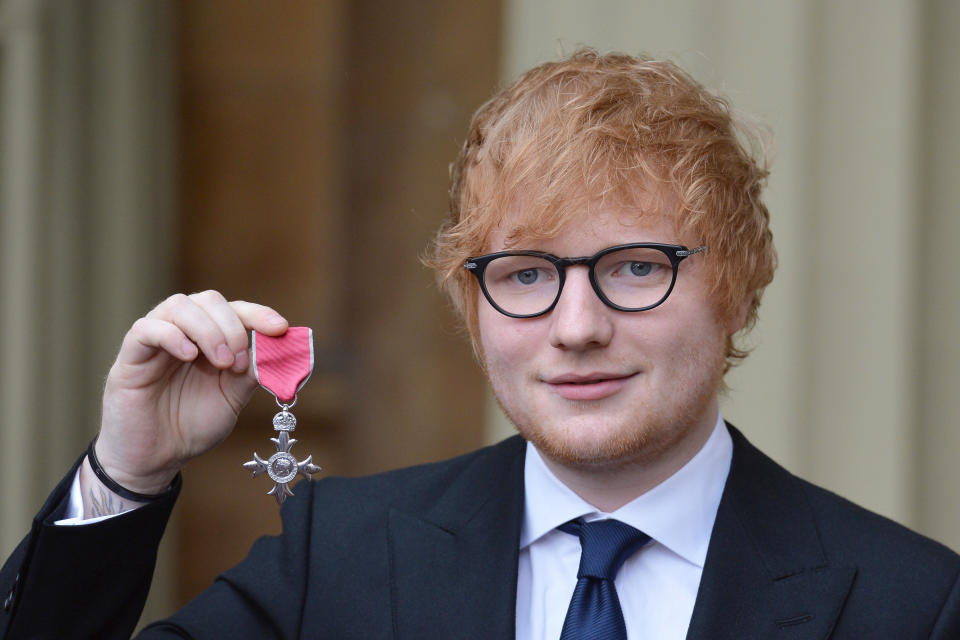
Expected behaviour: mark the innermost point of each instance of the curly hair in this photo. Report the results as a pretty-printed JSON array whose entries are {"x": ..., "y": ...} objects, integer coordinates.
[{"x": 611, "y": 128}]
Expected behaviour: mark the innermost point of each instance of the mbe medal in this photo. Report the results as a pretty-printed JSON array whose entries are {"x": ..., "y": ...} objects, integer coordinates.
[{"x": 283, "y": 365}]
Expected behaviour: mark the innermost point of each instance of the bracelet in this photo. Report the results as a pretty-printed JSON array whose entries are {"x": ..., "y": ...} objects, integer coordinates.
[{"x": 115, "y": 486}]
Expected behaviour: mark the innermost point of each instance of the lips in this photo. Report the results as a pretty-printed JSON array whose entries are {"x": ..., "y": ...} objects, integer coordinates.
[{"x": 591, "y": 386}]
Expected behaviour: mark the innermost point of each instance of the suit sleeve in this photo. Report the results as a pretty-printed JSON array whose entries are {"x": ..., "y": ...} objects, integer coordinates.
[
  {"x": 263, "y": 596},
  {"x": 81, "y": 582}
]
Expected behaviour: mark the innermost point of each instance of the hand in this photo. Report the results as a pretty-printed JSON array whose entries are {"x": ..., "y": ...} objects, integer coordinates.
[{"x": 180, "y": 380}]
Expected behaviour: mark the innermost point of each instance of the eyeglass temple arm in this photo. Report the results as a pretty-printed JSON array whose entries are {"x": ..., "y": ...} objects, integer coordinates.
[{"x": 683, "y": 253}]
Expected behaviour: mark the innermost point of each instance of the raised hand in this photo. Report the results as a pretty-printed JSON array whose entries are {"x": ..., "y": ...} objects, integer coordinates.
[{"x": 180, "y": 380}]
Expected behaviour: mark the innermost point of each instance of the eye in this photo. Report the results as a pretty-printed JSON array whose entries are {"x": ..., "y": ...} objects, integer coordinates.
[
  {"x": 519, "y": 272},
  {"x": 636, "y": 269},
  {"x": 527, "y": 276}
]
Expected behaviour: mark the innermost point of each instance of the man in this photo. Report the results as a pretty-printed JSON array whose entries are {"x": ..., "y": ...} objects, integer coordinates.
[{"x": 606, "y": 243}]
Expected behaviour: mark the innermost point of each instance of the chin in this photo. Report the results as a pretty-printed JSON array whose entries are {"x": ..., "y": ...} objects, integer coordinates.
[
  {"x": 595, "y": 446},
  {"x": 638, "y": 435}
]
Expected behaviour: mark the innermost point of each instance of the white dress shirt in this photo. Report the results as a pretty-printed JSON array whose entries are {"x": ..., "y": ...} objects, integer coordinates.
[{"x": 657, "y": 586}]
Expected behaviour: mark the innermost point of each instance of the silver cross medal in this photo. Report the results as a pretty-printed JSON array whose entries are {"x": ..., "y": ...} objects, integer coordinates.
[
  {"x": 282, "y": 365},
  {"x": 282, "y": 467}
]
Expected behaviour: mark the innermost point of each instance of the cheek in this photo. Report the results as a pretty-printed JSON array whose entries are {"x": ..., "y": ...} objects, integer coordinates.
[
  {"x": 509, "y": 347},
  {"x": 690, "y": 338},
  {"x": 702, "y": 344},
  {"x": 496, "y": 339},
  {"x": 501, "y": 362},
  {"x": 486, "y": 330}
]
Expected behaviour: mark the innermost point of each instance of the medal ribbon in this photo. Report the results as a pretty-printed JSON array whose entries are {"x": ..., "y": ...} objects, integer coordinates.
[{"x": 283, "y": 364}]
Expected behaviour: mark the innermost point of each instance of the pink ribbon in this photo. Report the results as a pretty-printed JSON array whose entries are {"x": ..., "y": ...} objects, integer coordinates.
[{"x": 283, "y": 363}]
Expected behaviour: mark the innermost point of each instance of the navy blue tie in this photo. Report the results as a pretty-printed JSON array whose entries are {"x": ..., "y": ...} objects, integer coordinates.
[{"x": 594, "y": 612}]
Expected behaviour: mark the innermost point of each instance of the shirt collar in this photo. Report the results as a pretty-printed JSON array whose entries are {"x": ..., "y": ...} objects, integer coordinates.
[{"x": 678, "y": 513}]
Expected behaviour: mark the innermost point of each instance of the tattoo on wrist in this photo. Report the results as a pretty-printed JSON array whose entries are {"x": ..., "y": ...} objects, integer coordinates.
[{"x": 103, "y": 503}]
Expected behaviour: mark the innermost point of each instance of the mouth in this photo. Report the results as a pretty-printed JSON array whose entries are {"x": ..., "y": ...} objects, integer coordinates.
[{"x": 591, "y": 386}]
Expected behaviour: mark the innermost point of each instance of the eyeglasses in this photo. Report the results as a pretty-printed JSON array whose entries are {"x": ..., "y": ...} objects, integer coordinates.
[{"x": 627, "y": 277}]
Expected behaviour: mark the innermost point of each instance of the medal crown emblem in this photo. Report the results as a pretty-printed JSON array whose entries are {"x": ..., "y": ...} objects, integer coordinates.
[{"x": 284, "y": 421}]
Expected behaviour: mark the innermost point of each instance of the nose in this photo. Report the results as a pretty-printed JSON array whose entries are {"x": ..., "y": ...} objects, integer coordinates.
[{"x": 580, "y": 320}]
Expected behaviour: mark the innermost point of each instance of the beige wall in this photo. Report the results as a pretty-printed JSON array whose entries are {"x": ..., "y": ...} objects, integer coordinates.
[
  {"x": 856, "y": 363},
  {"x": 85, "y": 219}
]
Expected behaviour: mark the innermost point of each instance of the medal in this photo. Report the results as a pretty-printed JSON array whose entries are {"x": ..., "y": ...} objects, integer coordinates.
[{"x": 283, "y": 365}]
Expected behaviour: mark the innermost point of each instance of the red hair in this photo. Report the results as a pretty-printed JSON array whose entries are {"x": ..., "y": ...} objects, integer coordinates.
[{"x": 611, "y": 128}]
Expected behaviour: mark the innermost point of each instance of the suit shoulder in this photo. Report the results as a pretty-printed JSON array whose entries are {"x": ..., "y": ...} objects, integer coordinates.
[
  {"x": 848, "y": 533},
  {"x": 895, "y": 583},
  {"x": 847, "y": 528},
  {"x": 421, "y": 485}
]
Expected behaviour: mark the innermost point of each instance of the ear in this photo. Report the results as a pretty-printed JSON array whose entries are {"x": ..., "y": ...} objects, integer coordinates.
[{"x": 739, "y": 318}]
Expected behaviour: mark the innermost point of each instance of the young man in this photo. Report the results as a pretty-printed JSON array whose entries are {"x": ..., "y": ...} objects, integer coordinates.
[{"x": 606, "y": 243}]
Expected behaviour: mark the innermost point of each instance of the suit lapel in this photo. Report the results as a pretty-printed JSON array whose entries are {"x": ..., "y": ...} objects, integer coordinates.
[
  {"x": 454, "y": 568},
  {"x": 766, "y": 574}
]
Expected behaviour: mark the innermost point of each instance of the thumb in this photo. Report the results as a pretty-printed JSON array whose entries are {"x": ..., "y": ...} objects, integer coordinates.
[{"x": 238, "y": 387}]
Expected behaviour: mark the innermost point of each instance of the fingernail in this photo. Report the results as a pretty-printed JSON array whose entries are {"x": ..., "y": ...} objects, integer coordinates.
[
  {"x": 240, "y": 361},
  {"x": 275, "y": 320},
  {"x": 224, "y": 355},
  {"x": 188, "y": 349}
]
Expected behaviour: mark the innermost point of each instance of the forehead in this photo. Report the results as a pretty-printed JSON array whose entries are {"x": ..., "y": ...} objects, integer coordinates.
[
  {"x": 586, "y": 232},
  {"x": 542, "y": 214}
]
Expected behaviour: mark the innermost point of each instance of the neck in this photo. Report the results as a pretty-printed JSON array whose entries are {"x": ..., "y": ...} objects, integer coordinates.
[{"x": 610, "y": 487}]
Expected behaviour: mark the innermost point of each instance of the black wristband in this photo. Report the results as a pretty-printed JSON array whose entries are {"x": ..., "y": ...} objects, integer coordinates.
[{"x": 115, "y": 486}]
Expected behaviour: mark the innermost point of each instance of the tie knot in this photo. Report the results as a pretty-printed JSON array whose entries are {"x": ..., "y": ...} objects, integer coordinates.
[{"x": 604, "y": 545}]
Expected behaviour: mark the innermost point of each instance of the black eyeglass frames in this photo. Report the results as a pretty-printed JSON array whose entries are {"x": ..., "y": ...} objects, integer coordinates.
[{"x": 627, "y": 277}]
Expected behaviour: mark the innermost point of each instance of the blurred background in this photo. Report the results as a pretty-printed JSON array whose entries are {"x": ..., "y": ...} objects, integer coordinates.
[{"x": 295, "y": 153}]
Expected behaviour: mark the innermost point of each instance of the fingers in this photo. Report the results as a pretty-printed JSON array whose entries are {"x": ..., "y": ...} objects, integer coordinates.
[
  {"x": 260, "y": 318},
  {"x": 217, "y": 327},
  {"x": 195, "y": 321},
  {"x": 149, "y": 334},
  {"x": 233, "y": 348}
]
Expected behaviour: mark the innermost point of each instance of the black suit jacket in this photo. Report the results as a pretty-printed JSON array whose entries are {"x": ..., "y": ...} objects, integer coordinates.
[{"x": 431, "y": 552}]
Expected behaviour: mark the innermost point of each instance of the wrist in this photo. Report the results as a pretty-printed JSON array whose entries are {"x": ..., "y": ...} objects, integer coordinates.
[
  {"x": 96, "y": 499},
  {"x": 139, "y": 489}
]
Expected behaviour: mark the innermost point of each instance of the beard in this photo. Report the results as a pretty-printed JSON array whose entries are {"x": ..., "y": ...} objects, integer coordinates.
[{"x": 656, "y": 426}]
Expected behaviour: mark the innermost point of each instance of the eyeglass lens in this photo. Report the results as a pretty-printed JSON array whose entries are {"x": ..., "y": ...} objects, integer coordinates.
[{"x": 631, "y": 278}]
